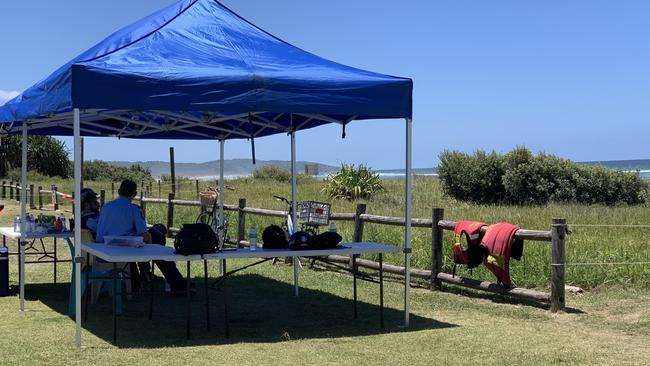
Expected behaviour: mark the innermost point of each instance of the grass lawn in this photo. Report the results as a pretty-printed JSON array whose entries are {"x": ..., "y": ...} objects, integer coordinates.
[{"x": 608, "y": 324}]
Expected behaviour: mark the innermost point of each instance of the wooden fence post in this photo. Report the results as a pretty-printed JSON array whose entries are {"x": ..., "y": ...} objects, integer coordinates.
[
  {"x": 112, "y": 189},
  {"x": 31, "y": 197},
  {"x": 40, "y": 197},
  {"x": 558, "y": 261},
  {"x": 143, "y": 206},
  {"x": 4, "y": 189},
  {"x": 172, "y": 168},
  {"x": 102, "y": 197},
  {"x": 55, "y": 198},
  {"x": 358, "y": 223},
  {"x": 436, "y": 248},
  {"x": 357, "y": 235},
  {"x": 197, "y": 189},
  {"x": 241, "y": 222},
  {"x": 18, "y": 193},
  {"x": 159, "y": 190},
  {"x": 11, "y": 189},
  {"x": 170, "y": 213}
]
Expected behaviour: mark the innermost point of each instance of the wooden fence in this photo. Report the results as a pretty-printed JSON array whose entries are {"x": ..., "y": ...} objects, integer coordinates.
[{"x": 556, "y": 236}]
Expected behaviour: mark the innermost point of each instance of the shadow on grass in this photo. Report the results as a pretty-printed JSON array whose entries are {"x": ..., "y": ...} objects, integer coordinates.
[
  {"x": 260, "y": 310},
  {"x": 503, "y": 299}
]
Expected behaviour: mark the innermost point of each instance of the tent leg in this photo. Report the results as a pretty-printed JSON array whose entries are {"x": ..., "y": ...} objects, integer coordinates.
[
  {"x": 294, "y": 194},
  {"x": 77, "y": 229},
  {"x": 407, "y": 218},
  {"x": 222, "y": 187},
  {"x": 23, "y": 215}
]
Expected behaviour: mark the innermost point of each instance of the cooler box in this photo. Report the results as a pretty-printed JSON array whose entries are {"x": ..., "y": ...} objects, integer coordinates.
[{"x": 4, "y": 271}]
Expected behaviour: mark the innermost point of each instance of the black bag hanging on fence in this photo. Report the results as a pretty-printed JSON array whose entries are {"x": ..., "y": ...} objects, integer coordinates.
[{"x": 195, "y": 239}]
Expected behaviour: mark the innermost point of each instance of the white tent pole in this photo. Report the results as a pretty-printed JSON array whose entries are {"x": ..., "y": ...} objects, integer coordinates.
[
  {"x": 23, "y": 215},
  {"x": 222, "y": 144},
  {"x": 294, "y": 195},
  {"x": 407, "y": 220},
  {"x": 77, "y": 227}
]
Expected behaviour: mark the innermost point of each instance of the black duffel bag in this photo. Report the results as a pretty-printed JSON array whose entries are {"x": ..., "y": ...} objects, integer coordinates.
[{"x": 195, "y": 239}]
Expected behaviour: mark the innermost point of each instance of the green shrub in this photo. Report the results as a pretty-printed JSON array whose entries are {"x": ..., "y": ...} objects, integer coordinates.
[
  {"x": 520, "y": 177},
  {"x": 96, "y": 170},
  {"x": 272, "y": 173},
  {"x": 474, "y": 178},
  {"x": 278, "y": 174},
  {"x": 353, "y": 183},
  {"x": 46, "y": 155}
]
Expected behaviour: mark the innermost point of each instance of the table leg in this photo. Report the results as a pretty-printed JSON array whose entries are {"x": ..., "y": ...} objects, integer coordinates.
[
  {"x": 189, "y": 303},
  {"x": 87, "y": 290},
  {"x": 207, "y": 294},
  {"x": 151, "y": 306},
  {"x": 225, "y": 300},
  {"x": 354, "y": 280},
  {"x": 115, "y": 303},
  {"x": 20, "y": 261},
  {"x": 381, "y": 290},
  {"x": 55, "y": 260}
]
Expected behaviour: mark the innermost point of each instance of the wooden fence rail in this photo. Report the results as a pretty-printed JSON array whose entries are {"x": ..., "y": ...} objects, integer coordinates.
[{"x": 556, "y": 236}]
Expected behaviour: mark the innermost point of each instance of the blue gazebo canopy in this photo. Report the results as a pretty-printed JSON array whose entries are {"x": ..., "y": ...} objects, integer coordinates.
[{"x": 197, "y": 70}]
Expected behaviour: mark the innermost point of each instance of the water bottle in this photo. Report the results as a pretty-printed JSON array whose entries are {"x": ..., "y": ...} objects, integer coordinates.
[
  {"x": 252, "y": 239},
  {"x": 32, "y": 223},
  {"x": 63, "y": 225},
  {"x": 16, "y": 224},
  {"x": 28, "y": 225},
  {"x": 332, "y": 227}
]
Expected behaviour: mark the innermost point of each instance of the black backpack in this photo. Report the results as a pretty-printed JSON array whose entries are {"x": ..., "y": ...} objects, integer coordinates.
[{"x": 195, "y": 239}]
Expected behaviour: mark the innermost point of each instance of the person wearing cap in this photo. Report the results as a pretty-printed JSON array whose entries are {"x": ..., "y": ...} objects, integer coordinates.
[
  {"x": 120, "y": 217},
  {"x": 89, "y": 210}
]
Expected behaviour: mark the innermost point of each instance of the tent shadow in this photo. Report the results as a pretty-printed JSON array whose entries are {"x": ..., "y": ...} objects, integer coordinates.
[
  {"x": 503, "y": 299},
  {"x": 260, "y": 310}
]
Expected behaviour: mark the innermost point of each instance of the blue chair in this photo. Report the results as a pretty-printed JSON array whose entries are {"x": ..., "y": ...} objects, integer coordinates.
[{"x": 91, "y": 280}]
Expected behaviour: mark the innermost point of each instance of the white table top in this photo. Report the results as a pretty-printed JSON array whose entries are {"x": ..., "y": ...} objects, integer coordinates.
[
  {"x": 347, "y": 249},
  {"x": 10, "y": 233},
  {"x": 148, "y": 252}
]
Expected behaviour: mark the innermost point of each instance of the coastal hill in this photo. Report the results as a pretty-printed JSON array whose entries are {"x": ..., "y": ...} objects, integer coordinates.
[{"x": 232, "y": 167}]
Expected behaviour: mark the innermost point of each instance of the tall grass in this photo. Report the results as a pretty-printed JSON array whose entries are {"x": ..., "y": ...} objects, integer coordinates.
[{"x": 595, "y": 246}]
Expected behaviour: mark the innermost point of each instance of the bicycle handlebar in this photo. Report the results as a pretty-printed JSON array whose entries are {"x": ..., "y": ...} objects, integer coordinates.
[{"x": 282, "y": 199}]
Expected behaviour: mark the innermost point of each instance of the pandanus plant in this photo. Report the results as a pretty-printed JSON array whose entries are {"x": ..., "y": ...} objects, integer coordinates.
[{"x": 353, "y": 182}]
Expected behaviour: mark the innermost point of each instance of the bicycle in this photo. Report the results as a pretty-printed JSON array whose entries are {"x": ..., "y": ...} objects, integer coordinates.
[
  {"x": 311, "y": 216},
  {"x": 211, "y": 218}
]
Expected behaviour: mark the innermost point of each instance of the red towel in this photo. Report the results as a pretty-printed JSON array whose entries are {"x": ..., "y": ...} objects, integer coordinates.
[{"x": 498, "y": 239}]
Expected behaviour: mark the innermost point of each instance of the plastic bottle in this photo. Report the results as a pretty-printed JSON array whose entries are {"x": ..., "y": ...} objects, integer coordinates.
[
  {"x": 252, "y": 239},
  {"x": 28, "y": 225},
  {"x": 16, "y": 224},
  {"x": 32, "y": 223},
  {"x": 332, "y": 227}
]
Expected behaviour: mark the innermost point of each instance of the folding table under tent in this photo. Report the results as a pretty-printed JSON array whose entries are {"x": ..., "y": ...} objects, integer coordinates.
[{"x": 197, "y": 70}]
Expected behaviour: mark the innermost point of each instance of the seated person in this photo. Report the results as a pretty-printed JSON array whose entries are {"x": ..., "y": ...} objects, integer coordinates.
[
  {"x": 89, "y": 211},
  {"x": 120, "y": 217}
]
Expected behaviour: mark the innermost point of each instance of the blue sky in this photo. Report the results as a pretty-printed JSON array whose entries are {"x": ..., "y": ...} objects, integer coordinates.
[{"x": 570, "y": 78}]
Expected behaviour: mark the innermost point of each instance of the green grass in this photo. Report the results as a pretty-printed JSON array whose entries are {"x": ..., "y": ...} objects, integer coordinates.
[
  {"x": 584, "y": 245},
  {"x": 269, "y": 326}
]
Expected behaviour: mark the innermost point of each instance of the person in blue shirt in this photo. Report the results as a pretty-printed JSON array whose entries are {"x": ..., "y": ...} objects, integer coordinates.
[
  {"x": 120, "y": 217},
  {"x": 89, "y": 210}
]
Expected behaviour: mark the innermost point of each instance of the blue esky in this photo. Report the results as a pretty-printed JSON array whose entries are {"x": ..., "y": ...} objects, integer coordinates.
[{"x": 570, "y": 78}]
